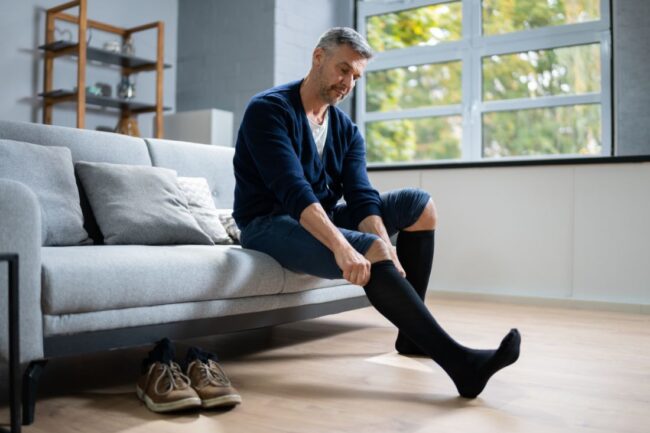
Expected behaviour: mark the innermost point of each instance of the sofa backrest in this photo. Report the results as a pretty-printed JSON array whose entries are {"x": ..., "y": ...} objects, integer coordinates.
[
  {"x": 188, "y": 159},
  {"x": 198, "y": 160},
  {"x": 85, "y": 145}
]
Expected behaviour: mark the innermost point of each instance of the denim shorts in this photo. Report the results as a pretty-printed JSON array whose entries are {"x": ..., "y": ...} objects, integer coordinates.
[{"x": 284, "y": 239}]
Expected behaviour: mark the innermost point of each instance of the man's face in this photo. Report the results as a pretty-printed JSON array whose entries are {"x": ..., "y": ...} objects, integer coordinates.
[{"x": 337, "y": 72}]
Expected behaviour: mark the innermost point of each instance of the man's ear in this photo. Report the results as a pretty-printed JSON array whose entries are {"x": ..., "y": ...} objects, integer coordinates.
[{"x": 318, "y": 56}]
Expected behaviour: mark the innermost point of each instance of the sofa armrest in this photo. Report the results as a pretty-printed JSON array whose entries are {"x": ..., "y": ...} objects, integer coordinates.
[{"x": 20, "y": 233}]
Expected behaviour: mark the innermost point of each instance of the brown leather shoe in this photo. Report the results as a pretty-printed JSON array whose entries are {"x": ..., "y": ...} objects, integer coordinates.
[
  {"x": 165, "y": 388},
  {"x": 211, "y": 384}
]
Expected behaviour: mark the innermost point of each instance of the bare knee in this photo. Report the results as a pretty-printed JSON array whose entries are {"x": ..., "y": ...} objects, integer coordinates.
[
  {"x": 427, "y": 220},
  {"x": 378, "y": 251}
]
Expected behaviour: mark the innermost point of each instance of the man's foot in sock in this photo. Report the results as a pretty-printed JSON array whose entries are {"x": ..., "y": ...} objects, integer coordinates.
[{"x": 482, "y": 364}]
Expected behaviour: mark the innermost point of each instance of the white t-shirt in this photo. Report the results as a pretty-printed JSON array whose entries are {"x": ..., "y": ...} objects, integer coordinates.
[{"x": 319, "y": 132}]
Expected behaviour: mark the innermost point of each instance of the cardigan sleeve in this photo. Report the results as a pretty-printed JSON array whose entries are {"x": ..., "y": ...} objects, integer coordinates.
[
  {"x": 362, "y": 199},
  {"x": 265, "y": 128}
]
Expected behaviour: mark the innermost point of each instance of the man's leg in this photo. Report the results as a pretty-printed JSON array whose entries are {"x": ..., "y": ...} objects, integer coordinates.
[
  {"x": 411, "y": 213},
  {"x": 415, "y": 248},
  {"x": 284, "y": 239},
  {"x": 395, "y": 298},
  {"x": 392, "y": 295}
]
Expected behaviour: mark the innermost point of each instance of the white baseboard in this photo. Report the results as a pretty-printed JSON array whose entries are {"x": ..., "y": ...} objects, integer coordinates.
[{"x": 577, "y": 304}]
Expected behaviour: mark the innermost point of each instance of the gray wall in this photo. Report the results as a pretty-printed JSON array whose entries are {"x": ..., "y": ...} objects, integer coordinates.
[
  {"x": 631, "y": 22},
  {"x": 22, "y": 29},
  {"x": 229, "y": 51},
  {"x": 225, "y": 53},
  {"x": 298, "y": 26}
]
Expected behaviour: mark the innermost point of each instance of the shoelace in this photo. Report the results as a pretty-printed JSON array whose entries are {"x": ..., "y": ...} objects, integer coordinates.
[
  {"x": 211, "y": 374},
  {"x": 175, "y": 379}
]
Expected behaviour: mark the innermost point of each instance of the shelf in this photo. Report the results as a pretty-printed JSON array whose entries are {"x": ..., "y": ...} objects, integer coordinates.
[
  {"x": 135, "y": 64},
  {"x": 125, "y": 64},
  {"x": 60, "y": 95}
]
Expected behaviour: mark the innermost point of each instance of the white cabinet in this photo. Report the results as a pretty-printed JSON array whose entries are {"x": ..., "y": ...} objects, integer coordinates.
[{"x": 210, "y": 126}]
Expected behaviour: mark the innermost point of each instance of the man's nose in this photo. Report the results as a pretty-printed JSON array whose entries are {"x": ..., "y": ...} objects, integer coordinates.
[{"x": 349, "y": 81}]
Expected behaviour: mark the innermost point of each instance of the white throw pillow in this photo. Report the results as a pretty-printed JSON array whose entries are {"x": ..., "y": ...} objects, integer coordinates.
[
  {"x": 225, "y": 215},
  {"x": 199, "y": 198}
]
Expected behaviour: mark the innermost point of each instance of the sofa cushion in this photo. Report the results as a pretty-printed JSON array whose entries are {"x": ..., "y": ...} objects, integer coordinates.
[
  {"x": 139, "y": 205},
  {"x": 49, "y": 173},
  {"x": 96, "y": 278},
  {"x": 199, "y": 199},
  {"x": 198, "y": 160}
]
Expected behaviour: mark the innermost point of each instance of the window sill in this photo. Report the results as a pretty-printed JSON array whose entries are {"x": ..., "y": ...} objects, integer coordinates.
[{"x": 511, "y": 162}]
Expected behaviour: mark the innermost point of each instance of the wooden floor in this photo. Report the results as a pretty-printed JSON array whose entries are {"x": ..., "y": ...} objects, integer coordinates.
[{"x": 579, "y": 371}]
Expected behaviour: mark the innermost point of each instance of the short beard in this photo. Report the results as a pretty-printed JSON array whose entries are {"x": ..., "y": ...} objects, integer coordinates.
[{"x": 324, "y": 92}]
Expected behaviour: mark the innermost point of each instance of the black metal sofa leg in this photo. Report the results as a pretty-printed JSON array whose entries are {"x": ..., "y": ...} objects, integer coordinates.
[{"x": 30, "y": 385}]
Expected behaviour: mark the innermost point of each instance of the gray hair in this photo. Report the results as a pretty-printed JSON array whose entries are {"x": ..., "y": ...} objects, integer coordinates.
[{"x": 337, "y": 36}]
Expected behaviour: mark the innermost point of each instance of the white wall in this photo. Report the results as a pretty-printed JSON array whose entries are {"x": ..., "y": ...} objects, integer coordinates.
[{"x": 579, "y": 232}]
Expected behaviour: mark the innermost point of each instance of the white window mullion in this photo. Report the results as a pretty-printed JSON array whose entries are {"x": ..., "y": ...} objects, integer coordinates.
[
  {"x": 360, "y": 88},
  {"x": 549, "y": 42},
  {"x": 541, "y": 102},
  {"x": 606, "y": 94},
  {"x": 472, "y": 145},
  {"x": 415, "y": 113},
  {"x": 535, "y": 36},
  {"x": 380, "y": 8},
  {"x": 418, "y": 56}
]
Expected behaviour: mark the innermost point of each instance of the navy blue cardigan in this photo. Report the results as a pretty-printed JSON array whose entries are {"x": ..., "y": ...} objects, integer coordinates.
[{"x": 277, "y": 166}]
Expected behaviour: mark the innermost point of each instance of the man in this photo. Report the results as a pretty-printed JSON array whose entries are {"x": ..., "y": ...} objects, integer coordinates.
[{"x": 296, "y": 155}]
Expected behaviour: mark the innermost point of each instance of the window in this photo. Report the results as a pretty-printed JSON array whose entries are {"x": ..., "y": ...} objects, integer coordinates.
[{"x": 473, "y": 80}]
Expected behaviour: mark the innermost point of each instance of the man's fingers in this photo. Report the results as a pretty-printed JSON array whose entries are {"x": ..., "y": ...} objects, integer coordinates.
[
  {"x": 346, "y": 274},
  {"x": 353, "y": 276}
]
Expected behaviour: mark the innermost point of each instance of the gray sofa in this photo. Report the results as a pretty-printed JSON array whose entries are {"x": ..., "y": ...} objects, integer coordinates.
[{"x": 79, "y": 299}]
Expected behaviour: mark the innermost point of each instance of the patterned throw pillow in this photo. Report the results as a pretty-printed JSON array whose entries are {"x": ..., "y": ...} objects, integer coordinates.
[
  {"x": 197, "y": 193},
  {"x": 225, "y": 215}
]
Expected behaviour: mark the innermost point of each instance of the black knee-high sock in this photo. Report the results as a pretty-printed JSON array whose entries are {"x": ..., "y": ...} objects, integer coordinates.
[
  {"x": 470, "y": 369},
  {"x": 415, "y": 253}
]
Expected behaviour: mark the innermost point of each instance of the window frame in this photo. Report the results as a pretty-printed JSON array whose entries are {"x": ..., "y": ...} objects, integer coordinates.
[{"x": 470, "y": 50}]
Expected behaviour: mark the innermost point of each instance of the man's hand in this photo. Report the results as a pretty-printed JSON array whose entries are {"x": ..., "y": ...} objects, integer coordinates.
[
  {"x": 398, "y": 265},
  {"x": 355, "y": 267},
  {"x": 374, "y": 224}
]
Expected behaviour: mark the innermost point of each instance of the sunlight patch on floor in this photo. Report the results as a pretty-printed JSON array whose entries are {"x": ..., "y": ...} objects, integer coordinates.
[{"x": 394, "y": 359}]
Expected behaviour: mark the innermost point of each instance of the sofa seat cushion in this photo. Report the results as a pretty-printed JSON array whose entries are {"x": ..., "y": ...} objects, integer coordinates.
[
  {"x": 108, "y": 277},
  {"x": 295, "y": 282},
  {"x": 96, "y": 278}
]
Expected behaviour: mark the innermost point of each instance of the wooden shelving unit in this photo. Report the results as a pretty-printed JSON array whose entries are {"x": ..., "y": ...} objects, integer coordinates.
[{"x": 128, "y": 65}]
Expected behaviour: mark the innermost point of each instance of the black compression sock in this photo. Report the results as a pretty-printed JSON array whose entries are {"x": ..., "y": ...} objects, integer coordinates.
[
  {"x": 415, "y": 253},
  {"x": 470, "y": 369},
  {"x": 480, "y": 365}
]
